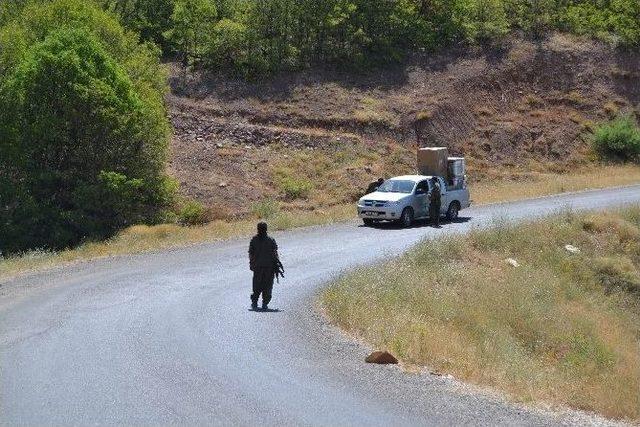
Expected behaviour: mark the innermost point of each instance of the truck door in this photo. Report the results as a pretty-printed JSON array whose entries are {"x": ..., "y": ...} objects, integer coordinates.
[
  {"x": 421, "y": 202},
  {"x": 444, "y": 198}
]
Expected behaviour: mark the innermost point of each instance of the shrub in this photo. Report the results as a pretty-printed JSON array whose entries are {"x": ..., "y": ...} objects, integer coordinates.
[
  {"x": 192, "y": 213},
  {"x": 618, "y": 139},
  {"x": 88, "y": 157},
  {"x": 265, "y": 209},
  {"x": 295, "y": 188}
]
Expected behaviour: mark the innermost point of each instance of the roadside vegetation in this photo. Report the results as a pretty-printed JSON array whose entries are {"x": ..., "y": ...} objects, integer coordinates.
[
  {"x": 194, "y": 225},
  {"x": 261, "y": 37},
  {"x": 618, "y": 139},
  {"x": 563, "y": 326},
  {"x": 83, "y": 128}
]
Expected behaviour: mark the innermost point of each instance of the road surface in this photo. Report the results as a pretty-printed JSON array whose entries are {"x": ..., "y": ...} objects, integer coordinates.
[{"x": 167, "y": 338}]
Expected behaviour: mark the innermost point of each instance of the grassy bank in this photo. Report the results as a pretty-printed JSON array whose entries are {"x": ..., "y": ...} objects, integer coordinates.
[
  {"x": 562, "y": 327},
  {"x": 139, "y": 239},
  {"x": 533, "y": 184}
]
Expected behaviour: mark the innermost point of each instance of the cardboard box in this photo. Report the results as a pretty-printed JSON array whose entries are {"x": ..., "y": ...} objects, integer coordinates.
[{"x": 433, "y": 161}]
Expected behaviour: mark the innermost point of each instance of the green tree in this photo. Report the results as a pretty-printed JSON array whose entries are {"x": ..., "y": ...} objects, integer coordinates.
[
  {"x": 149, "y": 18},
  {"x": 233, "y": 46},
  {"x": 485, "y": 20},
  {"x": 536, "y": 17},
  {"x": 84, "y": 160},
  {"x": 625, "y": 21},
  {"x": 193, "y": 24}
]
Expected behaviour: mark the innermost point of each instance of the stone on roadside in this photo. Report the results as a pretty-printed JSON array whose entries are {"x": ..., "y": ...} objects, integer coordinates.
[
  {"x": 512, "y": 262},
  {"x": 572, "y": 249},
  {"x": 381, "y": 357},
  {"x": 222, "y": 184}
]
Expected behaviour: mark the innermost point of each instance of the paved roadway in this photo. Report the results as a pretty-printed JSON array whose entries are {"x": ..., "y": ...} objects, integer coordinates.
[{"x": 167, "y": 338}]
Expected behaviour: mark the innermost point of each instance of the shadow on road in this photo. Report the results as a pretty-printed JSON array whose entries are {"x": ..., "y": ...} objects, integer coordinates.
[
  {"x": 417, "y": 224},
  {"x": 268, "y": 310}
]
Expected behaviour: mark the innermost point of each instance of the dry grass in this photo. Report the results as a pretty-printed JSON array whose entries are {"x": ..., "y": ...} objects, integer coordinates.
[
  {"x": 544, "y": 183},
  {"x": 562, "y": 327},
  {"x": 334, "y": 190},
  {"x": 372, "y": 111},
  {"x": 143, "y": 238}
]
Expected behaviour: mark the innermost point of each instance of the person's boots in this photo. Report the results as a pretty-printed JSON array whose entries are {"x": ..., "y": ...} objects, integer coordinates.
[
  {"x": 265, "y": 306},
  {"x": 254, "y": 305}
]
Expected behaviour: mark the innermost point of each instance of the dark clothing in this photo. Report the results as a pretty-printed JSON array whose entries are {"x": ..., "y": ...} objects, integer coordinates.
[
  {"x": 372, "y": 187},
  {"x": 263, "y": 252},
  {"x": 435, "y": 204},
  {"x": 434, "y": 213},
  {"x": 263, "y": 260},
  {"x": 262, "y": 284}
]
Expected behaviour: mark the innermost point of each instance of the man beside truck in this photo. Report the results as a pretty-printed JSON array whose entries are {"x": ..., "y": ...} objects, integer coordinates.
[{"x": 435, "y": 202}]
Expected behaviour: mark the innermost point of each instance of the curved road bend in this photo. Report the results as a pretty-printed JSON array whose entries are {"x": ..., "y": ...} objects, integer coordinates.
[{"x": 166, "y": 338}]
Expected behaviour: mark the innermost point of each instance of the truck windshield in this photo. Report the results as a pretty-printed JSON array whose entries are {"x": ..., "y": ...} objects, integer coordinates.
[{"x": 396, "y": 186}]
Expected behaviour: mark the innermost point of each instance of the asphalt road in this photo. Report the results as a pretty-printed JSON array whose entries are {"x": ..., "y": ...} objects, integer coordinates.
[{"x": 167, "y": 338}]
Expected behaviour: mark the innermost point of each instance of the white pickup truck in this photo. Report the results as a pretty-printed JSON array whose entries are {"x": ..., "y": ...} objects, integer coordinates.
[{"x": 406, "y": 198}]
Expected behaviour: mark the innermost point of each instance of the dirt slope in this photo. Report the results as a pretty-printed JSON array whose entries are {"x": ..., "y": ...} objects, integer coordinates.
[{"x": 521, "y": 109}]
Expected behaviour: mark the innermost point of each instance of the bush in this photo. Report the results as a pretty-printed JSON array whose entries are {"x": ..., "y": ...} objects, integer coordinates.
[
  {"x": 295, "y": 188},
  {"x": 192, "y": 213},
  {"x": 88, "y": 157},
  {"x": 618, "y": 139},
  {"x": 265, "y": 209}
]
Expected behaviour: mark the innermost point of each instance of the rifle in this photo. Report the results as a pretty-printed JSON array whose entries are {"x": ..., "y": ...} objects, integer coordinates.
[{"x": 279, "y": 270}]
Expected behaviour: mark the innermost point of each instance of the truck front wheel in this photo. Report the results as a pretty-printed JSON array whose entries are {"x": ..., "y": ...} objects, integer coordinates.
[{"x": 406, "y": 219}]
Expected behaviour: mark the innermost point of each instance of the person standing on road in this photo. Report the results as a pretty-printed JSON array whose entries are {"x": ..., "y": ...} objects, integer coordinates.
[
  {"x": 435, "y": 202},
  {"x": 263, "y": 261}
]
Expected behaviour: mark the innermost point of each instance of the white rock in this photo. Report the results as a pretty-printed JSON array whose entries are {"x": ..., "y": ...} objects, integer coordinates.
[
  {"x": 512, "y": 262},
  {"x": 572, "y": 249},
  {"x": 222, "y": 184}
]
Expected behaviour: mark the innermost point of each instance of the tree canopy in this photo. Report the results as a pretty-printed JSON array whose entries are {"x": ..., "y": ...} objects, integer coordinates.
[{"x": 83, "y": 132}]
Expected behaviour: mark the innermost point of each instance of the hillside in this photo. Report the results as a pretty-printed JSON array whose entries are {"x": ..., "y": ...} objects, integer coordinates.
[{"x": 513, "y": 112}]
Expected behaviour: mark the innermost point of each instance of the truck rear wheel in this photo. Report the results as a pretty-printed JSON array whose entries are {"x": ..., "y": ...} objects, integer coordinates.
[
  {"x": 406, "y": 219},
  {"x": 368, "y": 222},
  {"x": 453, "y": 211}
]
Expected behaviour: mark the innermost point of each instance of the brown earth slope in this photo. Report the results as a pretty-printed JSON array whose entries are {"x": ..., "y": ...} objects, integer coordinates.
[{"x": 315, "y": 138}]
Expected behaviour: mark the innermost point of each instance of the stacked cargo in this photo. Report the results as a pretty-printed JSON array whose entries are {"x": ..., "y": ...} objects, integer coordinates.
[
  {"x": 455, "y": 172},
  {"x": 436, "y": 161},
  {"x": 433, "y": 161}
]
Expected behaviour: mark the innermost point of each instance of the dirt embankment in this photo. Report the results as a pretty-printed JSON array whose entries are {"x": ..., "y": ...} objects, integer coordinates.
[{"x": 525, "y": 108}]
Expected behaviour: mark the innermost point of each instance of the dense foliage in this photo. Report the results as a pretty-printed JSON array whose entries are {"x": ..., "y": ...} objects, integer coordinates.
[
  {"x": 258, "y": 36},
  {"x": 618, "y": 139},
  {"x": 83, "y": 129}
]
